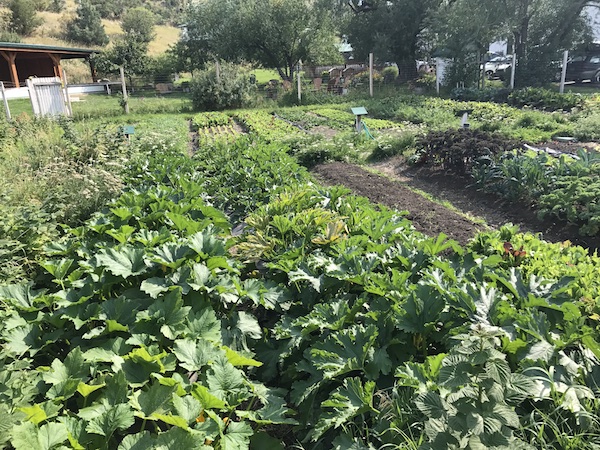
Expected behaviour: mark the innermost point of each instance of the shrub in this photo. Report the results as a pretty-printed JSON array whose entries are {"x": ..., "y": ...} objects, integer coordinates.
[
  {"x": 389, "y": 74},
  {"x": 457, "y": 150},
  {"x": 463, "y": 71},
  {"x": 497, "y": 95},
  {"x": 74, "y": 190},
  {"x": 231, "y": 89},
  {"x": 588, "y": 128},
  {"x": 363, "y": 77},
  {"x": 544, "y": 99},
  {"x": 87, "y": 27},
  {"x": 25, "y": 230},
  {"x": 388, "y": 146},
  {"x": 426, "y": 81},
  {"x": 23, "y": 17}
]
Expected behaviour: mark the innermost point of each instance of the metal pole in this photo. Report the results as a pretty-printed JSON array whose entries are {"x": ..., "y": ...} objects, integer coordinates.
[
  {"x": 371, "y": 74},
  {"x": 299, "y": 83},
  {"x": 563, "y": 75},
  {"x": 124, "y": 87},
  {"x": 66, "y": 84},
  {"x": 6, "y": 108},
  {"x": 513, "y": 68}
]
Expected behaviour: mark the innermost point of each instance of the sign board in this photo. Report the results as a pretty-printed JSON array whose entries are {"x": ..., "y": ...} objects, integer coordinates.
[
  {"x": 127, "y": 130},
  {"x": 359, "y": 111}
]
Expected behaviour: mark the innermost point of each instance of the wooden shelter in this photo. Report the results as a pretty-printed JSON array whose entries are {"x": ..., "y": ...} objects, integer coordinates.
[{"x": 21, "y": 61}]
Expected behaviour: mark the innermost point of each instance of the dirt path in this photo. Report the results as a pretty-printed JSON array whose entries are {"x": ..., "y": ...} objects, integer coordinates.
[
  {"x": 432, "y": 218},
  {"x": 427, "y": 216}
]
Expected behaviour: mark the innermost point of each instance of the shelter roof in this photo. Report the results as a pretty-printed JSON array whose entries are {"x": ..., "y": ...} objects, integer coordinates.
[{"x": 63, "y": 52}]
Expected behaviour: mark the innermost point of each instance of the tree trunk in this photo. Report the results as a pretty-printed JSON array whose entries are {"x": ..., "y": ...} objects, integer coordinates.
[
  {"x": 569, "y": 18},
  {"x": 521, "y": 34}
]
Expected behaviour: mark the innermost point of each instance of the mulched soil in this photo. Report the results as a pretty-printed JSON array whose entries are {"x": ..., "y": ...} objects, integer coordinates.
[{"x": 432, "y": 218}]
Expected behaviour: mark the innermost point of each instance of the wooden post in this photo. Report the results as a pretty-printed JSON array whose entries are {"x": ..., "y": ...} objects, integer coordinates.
[
  {"x": 513, "y": 68},
  {"x": 93, "y": 70},
  {"x": 6, "y": 108},
  {"x": 218, "y": 71},
  {"x": 66, "y": 89},
  {"x": 58, "y": 72},
  {"x": 482, "y": 71},
  {"x": 478, "y": 56},
  {"x": 10, "y": 58},
  {"x": 124, "y": 87},
  {"x": 563, "y": 74},
  {"x": 438, "y": 74},
  {"x": 299, "y": 82},
  {"x": 371, "y": 74}
]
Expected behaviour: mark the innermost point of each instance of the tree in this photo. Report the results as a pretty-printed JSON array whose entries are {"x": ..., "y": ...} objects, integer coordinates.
[
  {"x": 87, "y": 27},
  {"x": 229, "y": 88},
  {"x": 112, "y": 9},
  {"x": 273, "y": 33},
  {"x": 23, "y": 17},
  {"x": 127, "y": 53},
  {"x": 465, "y": 41},
  {"x": 138, "y": 23},
  {"x": 538, "y": 29},
  {"x": 57, "y": 6},
  {"x": 391, "y": 30},
  {"x": 542, "y": 31}
]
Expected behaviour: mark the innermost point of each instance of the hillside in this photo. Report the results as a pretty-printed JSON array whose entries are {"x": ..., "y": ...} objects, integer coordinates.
[{"x": 50, "y": 32}]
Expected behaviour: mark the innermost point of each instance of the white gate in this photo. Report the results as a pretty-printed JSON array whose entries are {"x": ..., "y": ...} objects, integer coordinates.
[{"x": 47, "y": 97}]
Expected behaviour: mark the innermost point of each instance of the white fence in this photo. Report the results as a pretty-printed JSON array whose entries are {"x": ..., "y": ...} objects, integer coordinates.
[
  {"x": 74, "y": 89},
  {"x": 47, "y": 96}
]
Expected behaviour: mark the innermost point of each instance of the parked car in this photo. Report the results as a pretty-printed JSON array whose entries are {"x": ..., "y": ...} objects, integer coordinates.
[
  {"x": 584, "y": 67},
  {"x": 497, "y": 66}
]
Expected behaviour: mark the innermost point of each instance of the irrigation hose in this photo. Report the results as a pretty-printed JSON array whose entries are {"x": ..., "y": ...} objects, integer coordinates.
[{"x": 367, "y": 132}]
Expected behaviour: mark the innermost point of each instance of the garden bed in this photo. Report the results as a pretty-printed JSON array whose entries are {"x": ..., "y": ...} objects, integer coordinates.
[
  {"x": 428, "y": 217},
  {"x": 431, "y": 218}
]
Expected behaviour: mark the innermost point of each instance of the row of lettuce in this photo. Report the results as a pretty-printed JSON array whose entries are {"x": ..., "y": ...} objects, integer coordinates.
[{"x": 226, "y": 301}]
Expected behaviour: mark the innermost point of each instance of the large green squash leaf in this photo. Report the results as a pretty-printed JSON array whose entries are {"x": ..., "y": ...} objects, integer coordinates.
[{"x": 124, "y": 262}]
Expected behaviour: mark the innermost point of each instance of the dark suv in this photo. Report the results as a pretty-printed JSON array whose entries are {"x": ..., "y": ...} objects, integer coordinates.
[{"x": 584, "y": 67}]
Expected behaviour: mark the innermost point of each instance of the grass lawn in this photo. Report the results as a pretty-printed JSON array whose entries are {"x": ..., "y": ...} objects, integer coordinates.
[
  {"x": 107, "y": 106},
  {"x": 265, "y": 75}
]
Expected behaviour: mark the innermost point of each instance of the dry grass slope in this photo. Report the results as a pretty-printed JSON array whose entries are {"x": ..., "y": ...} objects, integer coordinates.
[{"x": 50, "y": 33}]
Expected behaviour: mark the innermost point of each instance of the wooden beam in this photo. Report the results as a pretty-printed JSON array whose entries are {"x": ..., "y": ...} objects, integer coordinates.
[
  {"x": 72, "y": 53},
  {"x": 93, "y": 69},
  {"x": 10, "y": 58},
  {"x": 57, "y": 67}
]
